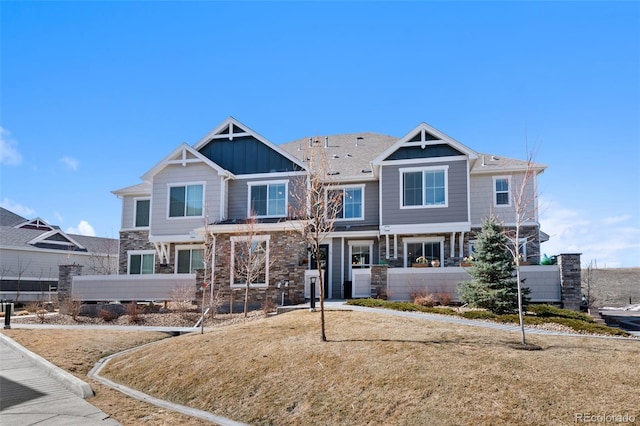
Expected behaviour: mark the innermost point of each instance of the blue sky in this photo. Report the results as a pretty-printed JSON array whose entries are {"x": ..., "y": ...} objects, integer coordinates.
[{"x": 94, "y": 94}]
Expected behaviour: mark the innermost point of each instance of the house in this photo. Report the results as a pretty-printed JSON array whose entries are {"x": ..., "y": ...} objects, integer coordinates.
[
  {"x": 422, "y": 197},
  {"x": 31, "y": 251}
]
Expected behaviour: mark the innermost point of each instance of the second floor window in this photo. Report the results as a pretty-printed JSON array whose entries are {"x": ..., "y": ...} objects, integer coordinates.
[
  {"x": 501, "y": 186},
  {"x": 268, "y": 199},
  {"x": 426, "y": 187},
  {"x": 349, "y": 201},
  {"x": 185, "y": 200},
  {"x": 142, "y": 213}
]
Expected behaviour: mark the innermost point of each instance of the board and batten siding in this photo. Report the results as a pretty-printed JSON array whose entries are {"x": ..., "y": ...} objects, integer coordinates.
[
  {"x": 161, "y": 224},
  {"x": 482, "y": 199},
  {"x": 456, "y": 211}
]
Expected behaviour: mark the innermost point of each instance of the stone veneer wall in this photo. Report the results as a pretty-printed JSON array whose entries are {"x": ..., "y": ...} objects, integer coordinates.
[
  {"x": 132, "y": 240},
  {"x": 286, "y": 251},
  {"x": 379, "y": 281},
  {"x": 65, "y": 281},
  {"x": 570, "y": 280}
]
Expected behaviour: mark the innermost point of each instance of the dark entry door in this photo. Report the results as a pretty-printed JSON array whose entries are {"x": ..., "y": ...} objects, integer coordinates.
[{"x": 324, "y": 264}]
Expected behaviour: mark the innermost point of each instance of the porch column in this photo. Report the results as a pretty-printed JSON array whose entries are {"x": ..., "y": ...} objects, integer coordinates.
[
  {"x": 452, "y": 242},
  {"x": 461, "y": 246}
]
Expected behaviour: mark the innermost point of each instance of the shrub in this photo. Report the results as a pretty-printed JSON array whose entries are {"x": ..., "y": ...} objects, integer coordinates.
[
  {"x": 107, "y": 315},
  {"x": 479, "y": 315},
  {"x": 134, "y": 312},
  {"x": 444, "y": 298},
  {"x": 548, "y": 311},
  {"x": 427, "y": 300}
]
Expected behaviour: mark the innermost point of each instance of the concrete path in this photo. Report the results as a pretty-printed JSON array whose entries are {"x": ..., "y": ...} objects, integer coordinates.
[{"x": 34, "y": 391}]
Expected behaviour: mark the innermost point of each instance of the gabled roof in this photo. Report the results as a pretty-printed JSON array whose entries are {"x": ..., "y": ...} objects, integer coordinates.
[
  {"x": 349, "y": 155},
  {"x": 36, "y": 223},
  {"x": 424, "y": 136},
  {"x": 9, "y": 218},
  {"x": 232, "y": 130},
  {"x": 183, "y": 155},
  {"x": 488, "y": 163}
]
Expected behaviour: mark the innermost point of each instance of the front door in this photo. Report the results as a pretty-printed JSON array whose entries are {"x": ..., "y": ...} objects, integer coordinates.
[{"x": 324, "y": 264}]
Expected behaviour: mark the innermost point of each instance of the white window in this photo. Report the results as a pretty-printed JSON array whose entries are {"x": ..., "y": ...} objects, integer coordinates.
[
  {"x": 268, "y": 199},
  {"x": 186, "y": 200},
  {"x": 350, "y": 200},
  {"x": 501, "y": 185},
  {"x": 360, "y": 255},
  {"x": 141, "y": 262},
  {"x": 424, "y": 187},
  {"x": 141, "y": 214},
  {"x": 250, "y": 261},
  {"x": 423, "y": 250},
  {"x": 188, "y": 259}
]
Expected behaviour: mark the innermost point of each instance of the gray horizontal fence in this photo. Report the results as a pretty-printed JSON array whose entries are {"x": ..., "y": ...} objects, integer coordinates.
[
  {"x": 543, "y": 281},
  {"x": 98, "y": 288}
]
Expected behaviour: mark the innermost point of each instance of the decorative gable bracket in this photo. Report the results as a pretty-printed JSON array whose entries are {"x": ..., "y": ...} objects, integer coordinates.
[{"x": 162, "y": 249}]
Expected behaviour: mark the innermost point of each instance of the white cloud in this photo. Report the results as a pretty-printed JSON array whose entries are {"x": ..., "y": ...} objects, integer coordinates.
[
  {"x": 70, "y": 162},
  {"x": 9, "y": 154},
  {"x": 83, "y": 228},
  {"x": 18, "y": 209},
  {"x": 605, "y": 241}
]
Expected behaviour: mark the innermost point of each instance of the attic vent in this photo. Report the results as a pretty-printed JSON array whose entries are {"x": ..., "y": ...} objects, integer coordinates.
[
  {"x": 333, "y": 173},
  {"x": 336, "y": 156},
  {"x": 359, "y": 139},
  {"x": 366, "y": 170},
  {"x": 326, "y": 141},
  {"x": 494, "y": 158},
  {"x": 348, "y": 155}
]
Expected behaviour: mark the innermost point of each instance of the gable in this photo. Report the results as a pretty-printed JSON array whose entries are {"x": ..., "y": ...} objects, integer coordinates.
[
  {"x": 425, "y": 142},
  {"x": 36, "y": 223},
  {"x": 184, "y": 155},
  {"x": 238, "y": 149},
  {"x": 247, "y": 155},
  {"x": 56, "y": 240}
]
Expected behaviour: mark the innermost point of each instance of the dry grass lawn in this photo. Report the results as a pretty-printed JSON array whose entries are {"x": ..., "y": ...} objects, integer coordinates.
[{"x": 380, "y": 369}]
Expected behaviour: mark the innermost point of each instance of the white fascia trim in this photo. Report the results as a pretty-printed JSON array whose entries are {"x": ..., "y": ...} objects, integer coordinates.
[
  {"x": 177, "y": 238},
  {"x": 513, "y": 169},
  {"x": 43, "y": 237},
  {"x": 349, "y": 180},
  {"x": 354, "y": 234},
  {"x": 178, "y": 156},
  {"x": 235, "y": 228},
  {"x": 413, "y": 161},
  {"x": 270, "y": 175},
  {"x": 425, "y": 228}
]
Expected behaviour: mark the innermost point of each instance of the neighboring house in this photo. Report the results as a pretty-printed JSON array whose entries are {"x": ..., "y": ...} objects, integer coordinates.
[
  {"x": 423, "y": 195},
  {"x": 32, "y": 250}
]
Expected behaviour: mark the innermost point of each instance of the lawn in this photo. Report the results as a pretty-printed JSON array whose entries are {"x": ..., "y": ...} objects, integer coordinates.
[{"x": 380, "y": 369}]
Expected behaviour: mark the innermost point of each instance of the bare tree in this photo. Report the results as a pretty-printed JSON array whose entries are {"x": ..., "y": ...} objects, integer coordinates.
[
  {"x": 103, "y": 260},
  {"x": 21, "y": 268},
  {"x": 588, "y": 279},
  {"x": 250, "y": 258},
  {"x": 317, "y": 209},
  {"x": 524, "y": 210}
]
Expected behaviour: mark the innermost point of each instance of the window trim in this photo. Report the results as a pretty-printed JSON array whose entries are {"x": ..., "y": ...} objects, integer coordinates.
[
  {"x": 359, "y": 243},
  {"x": 185, "y": 185},
  {"x": 190, "y": 247},
  {"x": 259, "y": 238},
  {"x": 266, "y": 183},
  {"x": 495, "y": 191},
  {"x": 343, "y": 188},
  {"x": 414, "y": 240},
  {"x": 135, "y": 212},
  {"x": 443, "y": 167},
  {"x": 140, "y": 253}
]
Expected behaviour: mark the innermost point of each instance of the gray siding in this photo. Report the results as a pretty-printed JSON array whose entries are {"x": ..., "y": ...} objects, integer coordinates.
[
  {"x": 482, "y": 202},
  {"x": 456, "y": 211},
  {"x": 161, "y": 224},
  {"x": 371, "y": 198}
]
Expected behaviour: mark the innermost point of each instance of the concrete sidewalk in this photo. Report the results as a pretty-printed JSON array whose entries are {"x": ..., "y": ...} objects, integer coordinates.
[{"x": 34, "y": 391}]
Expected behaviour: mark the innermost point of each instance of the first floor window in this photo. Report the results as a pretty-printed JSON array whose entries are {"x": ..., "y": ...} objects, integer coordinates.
[
  {"x": 250, "y": 261},
  {"x": 141, "y": 263},
  {"x": 188, "y": 260},
  {"x": 186, "y": 200},
  {"x": 426, "y": 187},
  {"x": 423, "y": 251},
  {"x": 268, "y": 199}
]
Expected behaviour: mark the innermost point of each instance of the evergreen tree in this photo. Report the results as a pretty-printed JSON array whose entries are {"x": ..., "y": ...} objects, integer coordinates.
[{"x": 493, "y": 286}]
